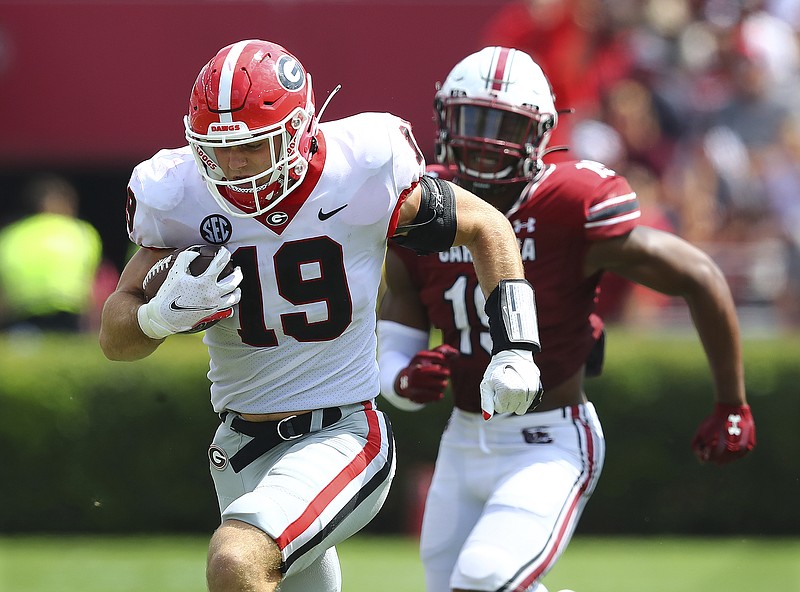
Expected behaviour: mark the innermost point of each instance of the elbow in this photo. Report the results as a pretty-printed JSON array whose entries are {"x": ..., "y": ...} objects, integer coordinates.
[
  {"x": 109, "y": 348},
  {"x": 707, "y": 278},
  {"x": 121, "y": 350}
]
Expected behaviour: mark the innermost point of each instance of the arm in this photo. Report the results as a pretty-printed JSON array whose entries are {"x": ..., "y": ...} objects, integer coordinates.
[
  {"x": 411, "y": 374},
  {"x": 444, "y": 214},
  {"x": 485, "y": 231},
  {"x": 666, "y": 263},
  {"x": 121, "y": 338},
  {"x": 663, "y": 262},
  {"x": 132, "y": 329}
]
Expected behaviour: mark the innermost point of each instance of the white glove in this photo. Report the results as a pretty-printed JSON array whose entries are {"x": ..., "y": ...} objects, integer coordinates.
[
  {"x": 183, "y": 301},
  {"x": 510, "y": 383}
]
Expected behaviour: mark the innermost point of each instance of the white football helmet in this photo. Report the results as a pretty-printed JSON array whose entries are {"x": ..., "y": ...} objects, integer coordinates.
[
  {"x": 252, "y": 91},
  {"x": 495, "y": 113}
]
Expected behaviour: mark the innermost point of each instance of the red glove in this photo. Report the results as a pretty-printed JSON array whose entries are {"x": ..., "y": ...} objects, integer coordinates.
[
  {"x": 425, "y": 378},
  {"x": 725, "y": 435}
]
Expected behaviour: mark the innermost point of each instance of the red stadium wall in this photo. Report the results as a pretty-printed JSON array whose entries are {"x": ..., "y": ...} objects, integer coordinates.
[{"x": 105, "y": 84}]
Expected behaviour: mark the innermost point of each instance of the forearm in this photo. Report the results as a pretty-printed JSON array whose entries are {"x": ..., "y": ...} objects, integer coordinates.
[
  {"x": 714, "y": 316},
  {"x": 121, "y": 338},
  {"x": 494, "y": 249},
  {"x": 667, "y": 264}
]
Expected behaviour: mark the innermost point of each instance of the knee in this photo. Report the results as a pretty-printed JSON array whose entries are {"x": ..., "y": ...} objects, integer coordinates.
[
  {"x": 226, "y": 570},
  {"x": 482, "y": 567},
  {"x": 241, "y": 559}
]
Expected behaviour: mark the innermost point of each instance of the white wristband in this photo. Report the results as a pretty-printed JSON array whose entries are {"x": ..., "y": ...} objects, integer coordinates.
[
  {"x": 149, "y": 327},
  {"x": 397, "y": 344}
]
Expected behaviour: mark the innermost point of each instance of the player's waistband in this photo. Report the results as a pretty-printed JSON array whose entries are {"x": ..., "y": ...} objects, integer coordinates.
[
  {"x": 268, "y": 434},
  {"x": 567, "y": 412},
  {"x": 558, "y": 414}
]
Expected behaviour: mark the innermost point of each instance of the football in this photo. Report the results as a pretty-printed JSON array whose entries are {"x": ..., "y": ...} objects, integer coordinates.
[{"x": 158, "y": 273}]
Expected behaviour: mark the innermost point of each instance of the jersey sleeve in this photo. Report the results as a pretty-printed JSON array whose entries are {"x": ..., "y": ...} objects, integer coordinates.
[
  {"x": 611, "y": 207},
  {"x": 408, "y": 165},
  {"x": 155, "y": 188}
]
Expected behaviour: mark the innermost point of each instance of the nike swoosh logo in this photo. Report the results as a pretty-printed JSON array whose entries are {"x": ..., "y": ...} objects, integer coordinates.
[
  {"x": 325, "y": 215},
  {"x": 175, "y": 306}
]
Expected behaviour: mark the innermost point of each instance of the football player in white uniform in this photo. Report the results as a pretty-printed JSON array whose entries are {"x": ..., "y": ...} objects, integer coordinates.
[
  {"x": 302, "y": 458},
  {"x": 506, "y": 495}
]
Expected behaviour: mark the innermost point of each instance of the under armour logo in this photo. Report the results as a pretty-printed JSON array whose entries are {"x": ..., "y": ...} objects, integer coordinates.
[
  {"x": 529, "y": 225},
  {"x": 734, "y": 429},
  {"x": 403, "y": 382}
]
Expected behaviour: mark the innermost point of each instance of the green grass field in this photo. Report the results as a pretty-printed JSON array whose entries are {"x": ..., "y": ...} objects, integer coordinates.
[{"x": 369, "y": 564}]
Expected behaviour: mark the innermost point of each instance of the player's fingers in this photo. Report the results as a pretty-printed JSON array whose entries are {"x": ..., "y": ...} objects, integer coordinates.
[
  {"x": 524, "y": 404},
  {"x": 448, "y": 352},
  {"x": 232, "y": 299},
  {"x": 487, "y": 403},
  {"x": 184, "y": 258},
  {"x": 230, "y": 282},
  {"x": 218, "y": 263}
]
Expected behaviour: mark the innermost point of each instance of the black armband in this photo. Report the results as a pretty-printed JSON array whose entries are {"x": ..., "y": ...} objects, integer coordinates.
[
  {"x": 511, "y": 308},
  {"x": 434, "y": 227}
]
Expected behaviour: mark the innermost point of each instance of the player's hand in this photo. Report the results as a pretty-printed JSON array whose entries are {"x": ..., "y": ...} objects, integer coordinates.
[
  {"x": 510, "y": 384},
  {"x": 725, "y": 435},
  {"x": 184, "y": 301},
  {"x": 425, "y": 378}
]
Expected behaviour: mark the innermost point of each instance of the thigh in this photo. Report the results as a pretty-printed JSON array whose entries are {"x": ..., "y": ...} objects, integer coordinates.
[
  {"x": 451, "y": 511},
  {"x": 311, "y": 493},
  {"x": 536, "y": 507}
]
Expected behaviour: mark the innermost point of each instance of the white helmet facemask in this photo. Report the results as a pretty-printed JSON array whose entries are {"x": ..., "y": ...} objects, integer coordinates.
[{"x": 265, "y": 189}]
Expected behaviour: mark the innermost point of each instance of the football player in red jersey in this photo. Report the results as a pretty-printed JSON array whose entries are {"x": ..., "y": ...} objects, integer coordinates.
[
  {"x": 507, "y": 493},
  {"x": 302, "y": 459}
]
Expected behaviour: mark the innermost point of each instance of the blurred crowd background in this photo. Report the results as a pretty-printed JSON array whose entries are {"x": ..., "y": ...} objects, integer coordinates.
[{"x": 695, "y": 101}]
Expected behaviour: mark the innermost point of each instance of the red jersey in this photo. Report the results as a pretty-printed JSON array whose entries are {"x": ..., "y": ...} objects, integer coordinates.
[{"x": 557, "y": 217}]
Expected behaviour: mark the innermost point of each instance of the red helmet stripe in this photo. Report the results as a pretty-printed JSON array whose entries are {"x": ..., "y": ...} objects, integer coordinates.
[{"x": 500, "y": 69}]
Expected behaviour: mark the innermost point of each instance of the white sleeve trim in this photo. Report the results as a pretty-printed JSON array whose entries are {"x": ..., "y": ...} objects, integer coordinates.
[{"x": 397, "y": 344}]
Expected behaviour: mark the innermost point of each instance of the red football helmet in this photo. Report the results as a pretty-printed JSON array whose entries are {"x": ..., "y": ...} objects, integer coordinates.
[
  {"x": 252, "y": 91},
  {"x": 495, "y": 113}
]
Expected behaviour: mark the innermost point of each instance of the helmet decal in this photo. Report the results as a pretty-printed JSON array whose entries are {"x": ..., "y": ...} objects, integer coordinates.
[{"x": 290, "y": 73}]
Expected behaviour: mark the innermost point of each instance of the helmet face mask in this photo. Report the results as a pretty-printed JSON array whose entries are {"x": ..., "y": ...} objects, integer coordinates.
[
  {"x": 495, "y": 113},
  {"x": 253, "y": 99}
]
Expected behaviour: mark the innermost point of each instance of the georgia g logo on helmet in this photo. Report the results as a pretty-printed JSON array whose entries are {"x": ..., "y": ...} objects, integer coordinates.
[{"x": 290, "y": 73}]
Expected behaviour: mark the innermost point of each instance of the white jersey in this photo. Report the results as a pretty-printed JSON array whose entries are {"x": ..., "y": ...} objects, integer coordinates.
[{"x": 303, "y": 335}]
